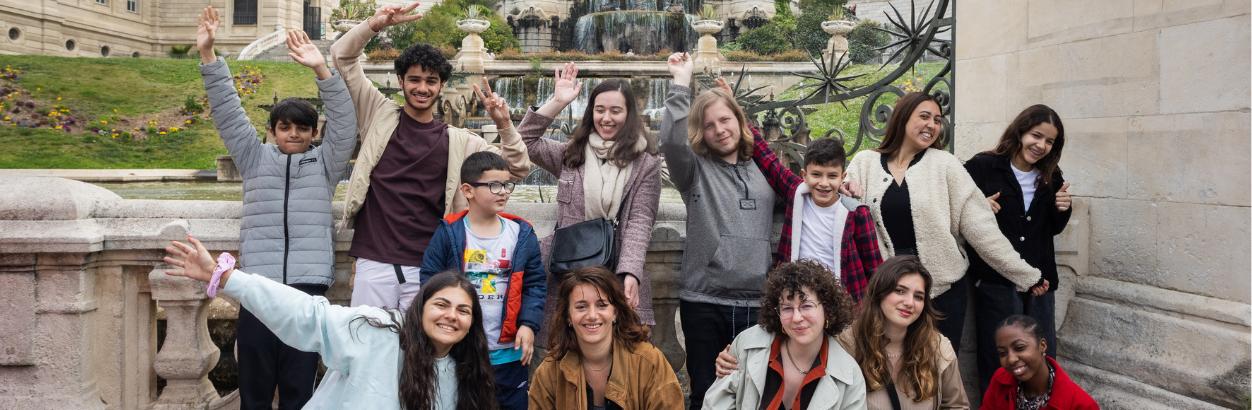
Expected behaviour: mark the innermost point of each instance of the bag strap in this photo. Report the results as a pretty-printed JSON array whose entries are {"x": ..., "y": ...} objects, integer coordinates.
[{"x": 895, "y": 397}]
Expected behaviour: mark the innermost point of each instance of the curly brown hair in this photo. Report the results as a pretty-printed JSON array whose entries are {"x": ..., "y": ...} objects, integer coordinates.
[
  {"x": 628, "y": 329},
  {"x": 787, "y": 281}
]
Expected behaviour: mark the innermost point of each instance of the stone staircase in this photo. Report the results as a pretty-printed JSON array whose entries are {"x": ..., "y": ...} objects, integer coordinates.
[{"x": 279, "y": 52}]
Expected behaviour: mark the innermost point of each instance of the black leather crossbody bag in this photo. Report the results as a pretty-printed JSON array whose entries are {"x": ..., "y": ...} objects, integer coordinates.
[{"x": 585, "y": 243}]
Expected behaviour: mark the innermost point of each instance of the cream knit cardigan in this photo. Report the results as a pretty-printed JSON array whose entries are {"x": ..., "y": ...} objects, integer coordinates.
[{"x": 947, "y": 206}]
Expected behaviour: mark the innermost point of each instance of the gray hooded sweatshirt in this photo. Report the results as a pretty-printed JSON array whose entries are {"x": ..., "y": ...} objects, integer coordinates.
[
  {"x": 730, "y": 219},
  {"x": 285, "y": 233}
]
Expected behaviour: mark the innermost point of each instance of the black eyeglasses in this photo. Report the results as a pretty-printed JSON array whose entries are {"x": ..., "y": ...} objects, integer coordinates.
[{"x": 495, "y": 187}]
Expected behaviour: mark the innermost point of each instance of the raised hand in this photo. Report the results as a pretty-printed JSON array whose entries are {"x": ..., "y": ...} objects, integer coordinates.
[
  {"x": 721, "y": 82},
  {"x": 1063, "y": 201},
  {"x": 206, "y": 33},
  {"x": 995, "y": 206},
  {"x": 307, "y": 54},
  {"x": 195, "y": 261},
  {"x": 567, "y": 86},
  {"x": 680, "y": 66},
  {"x": 496, "y": 107},
  {"x": 390, "y": 15}
]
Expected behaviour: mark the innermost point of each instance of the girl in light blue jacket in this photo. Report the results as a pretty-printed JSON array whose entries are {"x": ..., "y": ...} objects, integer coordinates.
[{"x": 373, "y": 361}]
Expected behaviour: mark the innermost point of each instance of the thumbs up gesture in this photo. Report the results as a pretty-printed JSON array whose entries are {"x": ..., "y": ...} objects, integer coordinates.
[
  {"x": 1063, "y": 200},
  {"x": 995, "y": 206}
]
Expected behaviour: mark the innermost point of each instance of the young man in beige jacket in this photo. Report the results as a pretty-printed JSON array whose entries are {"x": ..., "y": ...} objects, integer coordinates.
[{"x": 407, "y": 172}]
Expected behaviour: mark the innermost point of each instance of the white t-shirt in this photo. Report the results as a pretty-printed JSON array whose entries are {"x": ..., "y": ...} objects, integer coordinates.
[
  {"x": 487, "y": 265},
  {"x": 821, "y": 231},
  {"x": 1027, "y": 181}
]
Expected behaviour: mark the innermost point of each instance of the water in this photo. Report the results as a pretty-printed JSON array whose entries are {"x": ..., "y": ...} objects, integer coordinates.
[
  {"x": 646, "y": 32},
  {"x": 215, "y": 191},
  {"x": 597, "y": 6},
  {"x": 521, "y": 93}
]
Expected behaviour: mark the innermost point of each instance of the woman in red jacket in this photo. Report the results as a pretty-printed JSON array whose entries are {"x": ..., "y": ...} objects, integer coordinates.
[{"x": 1027, "y": 379}]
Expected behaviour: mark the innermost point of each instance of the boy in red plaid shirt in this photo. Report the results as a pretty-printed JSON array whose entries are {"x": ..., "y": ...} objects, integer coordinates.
[{"x": 820, "y": 224}]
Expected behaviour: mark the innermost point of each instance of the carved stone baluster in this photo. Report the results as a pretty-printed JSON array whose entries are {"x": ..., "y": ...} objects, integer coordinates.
[{"x": 188, "y": 353}]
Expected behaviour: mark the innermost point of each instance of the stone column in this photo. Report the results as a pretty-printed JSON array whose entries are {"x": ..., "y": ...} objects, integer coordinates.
[
  {"x": 707, "y": 57},
  {"x": 188, "y": 353}
]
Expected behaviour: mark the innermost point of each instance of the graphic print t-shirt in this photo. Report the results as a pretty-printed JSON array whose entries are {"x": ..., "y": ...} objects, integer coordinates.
[{"x": 488, "y": 263}]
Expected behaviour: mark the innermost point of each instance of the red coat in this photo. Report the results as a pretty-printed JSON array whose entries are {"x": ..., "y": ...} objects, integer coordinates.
[{"x": 1002, "y": 393}]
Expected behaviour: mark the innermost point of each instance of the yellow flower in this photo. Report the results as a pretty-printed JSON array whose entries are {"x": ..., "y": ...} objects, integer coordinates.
[
  {"x": 58, "y": 98},
  {"x": 38, "y": 88},
  {"x": 162, "y": 132},
  {"x": 58, "y": 127},
  {"x": 104, "y": 122},
  {"x": 189, "y": 121},
  {"x": 6, "y": 118}
]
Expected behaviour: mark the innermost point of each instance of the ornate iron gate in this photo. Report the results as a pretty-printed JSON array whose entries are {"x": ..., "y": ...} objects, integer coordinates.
[{"x": 784, "y": 124}]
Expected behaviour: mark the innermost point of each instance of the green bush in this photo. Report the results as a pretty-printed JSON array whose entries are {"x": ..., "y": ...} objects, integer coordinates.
[
  {"x": 499, "y": 36},
  {"x": 809, "y": 35},
  {"x": 864, "y": 39},
  {"x": 771, "y": 38}
]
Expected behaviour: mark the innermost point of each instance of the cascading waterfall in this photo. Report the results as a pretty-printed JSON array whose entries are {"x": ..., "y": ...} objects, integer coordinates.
[
  {"x": 599, "y": 6},
  {"x": 646, "y": 32}
]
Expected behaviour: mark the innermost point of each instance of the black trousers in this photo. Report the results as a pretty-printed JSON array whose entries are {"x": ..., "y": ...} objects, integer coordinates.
[
  {"x": 952, "y": 305},
  {"x": 266, "y": 363},
  {"x": 708, "y": 328},
  {"x": 995, "y": 302}
]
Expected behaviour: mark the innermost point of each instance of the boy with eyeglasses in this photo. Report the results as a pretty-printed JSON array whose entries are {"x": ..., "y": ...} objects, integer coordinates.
[{"x": 499, "y": 253}]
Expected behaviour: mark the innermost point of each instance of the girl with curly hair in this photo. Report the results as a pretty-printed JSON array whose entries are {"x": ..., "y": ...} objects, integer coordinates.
[{"x": 791, "y": 358}]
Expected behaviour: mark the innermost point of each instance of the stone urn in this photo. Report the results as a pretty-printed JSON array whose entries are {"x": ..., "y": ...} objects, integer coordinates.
[
  {"x": 838, "y": 44},
  {"x": 472, "y": 54},
  {"x": 707, "y": 56}
]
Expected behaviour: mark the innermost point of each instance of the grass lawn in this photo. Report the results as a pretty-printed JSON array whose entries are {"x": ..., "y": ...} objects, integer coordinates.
[
  {"x": 135, "y": 87},
  {"x": 835, "y": 116}
]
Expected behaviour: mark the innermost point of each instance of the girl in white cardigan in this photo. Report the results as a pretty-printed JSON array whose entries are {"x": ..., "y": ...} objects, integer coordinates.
[{"x": 924, "y": 203}]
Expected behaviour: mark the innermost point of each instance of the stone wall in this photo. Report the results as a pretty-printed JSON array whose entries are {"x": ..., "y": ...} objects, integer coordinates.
[
  {"x": 1154, "y": 95},
  {"x": 44, "y": 26}
]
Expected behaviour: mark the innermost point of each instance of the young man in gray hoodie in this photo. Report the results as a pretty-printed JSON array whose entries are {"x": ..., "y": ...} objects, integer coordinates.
[
  {"x": 730, "y": 208},
  {"x": 285, "y": 232}
]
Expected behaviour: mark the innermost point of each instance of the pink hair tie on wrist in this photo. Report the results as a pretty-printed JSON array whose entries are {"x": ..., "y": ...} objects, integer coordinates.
[{"x": 225, "y": 263}]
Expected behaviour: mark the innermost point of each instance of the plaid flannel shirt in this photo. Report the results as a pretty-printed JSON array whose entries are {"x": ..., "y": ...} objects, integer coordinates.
[{"x": 858, "y": 248}]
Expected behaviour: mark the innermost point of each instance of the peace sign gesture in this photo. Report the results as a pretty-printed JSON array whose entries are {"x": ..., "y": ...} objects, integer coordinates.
[
  {"x": 496, "y": 107},
  {"x": 392, "y": 14}
]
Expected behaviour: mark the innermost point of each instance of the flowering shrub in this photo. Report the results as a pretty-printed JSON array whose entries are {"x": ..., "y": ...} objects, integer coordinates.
[{"x": 249, "y": 80}]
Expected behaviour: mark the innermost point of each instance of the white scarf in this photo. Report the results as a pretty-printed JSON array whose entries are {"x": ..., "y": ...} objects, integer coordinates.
[{"x": 604, "y": 183}]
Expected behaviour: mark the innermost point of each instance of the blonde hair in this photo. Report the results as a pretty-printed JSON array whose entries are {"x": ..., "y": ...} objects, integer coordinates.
[{"x": 695, "y": 122}]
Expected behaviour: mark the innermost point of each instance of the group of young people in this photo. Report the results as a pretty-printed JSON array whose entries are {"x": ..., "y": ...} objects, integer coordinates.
[{"x": 452, "y": 298}]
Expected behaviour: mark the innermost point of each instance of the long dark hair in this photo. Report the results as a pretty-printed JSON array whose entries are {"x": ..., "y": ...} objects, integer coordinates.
[
  {"x": 623, "y": 151},
  {"x": 475, "y": 378},
  {"x": 1011, "y": 141},
  {"x": 919, "y": 376},
  {"x": 628, "y": 330},
  {"x": 893, "y": 138}
]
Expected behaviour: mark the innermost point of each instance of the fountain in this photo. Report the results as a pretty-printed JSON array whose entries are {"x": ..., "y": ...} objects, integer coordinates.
[{"x": 645, "y": 32}]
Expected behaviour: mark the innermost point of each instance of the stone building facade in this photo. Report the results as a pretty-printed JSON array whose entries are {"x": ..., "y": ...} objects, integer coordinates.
[
  {"x": 145, "y": 28},
  {"x": 1154, "y": 95}
]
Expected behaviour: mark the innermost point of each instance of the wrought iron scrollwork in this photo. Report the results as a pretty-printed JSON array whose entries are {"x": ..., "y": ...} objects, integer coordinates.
[{"x": 784, "y": 123}]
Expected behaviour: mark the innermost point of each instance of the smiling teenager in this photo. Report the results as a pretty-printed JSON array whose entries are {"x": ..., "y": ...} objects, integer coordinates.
[
  {"x": 608, "y": 169},
  {"x": 1023, "y": 184},
  {"x": 432, "y": 355},
  {"x": 791, "y": 360},
  {"x": 924, "y": 200},
  {"x": 730, "y": 214},
  {"x": 601, "y": 358},
  {"x": 1028, "y": 379},
  {"x": 407, "y": 175}
]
